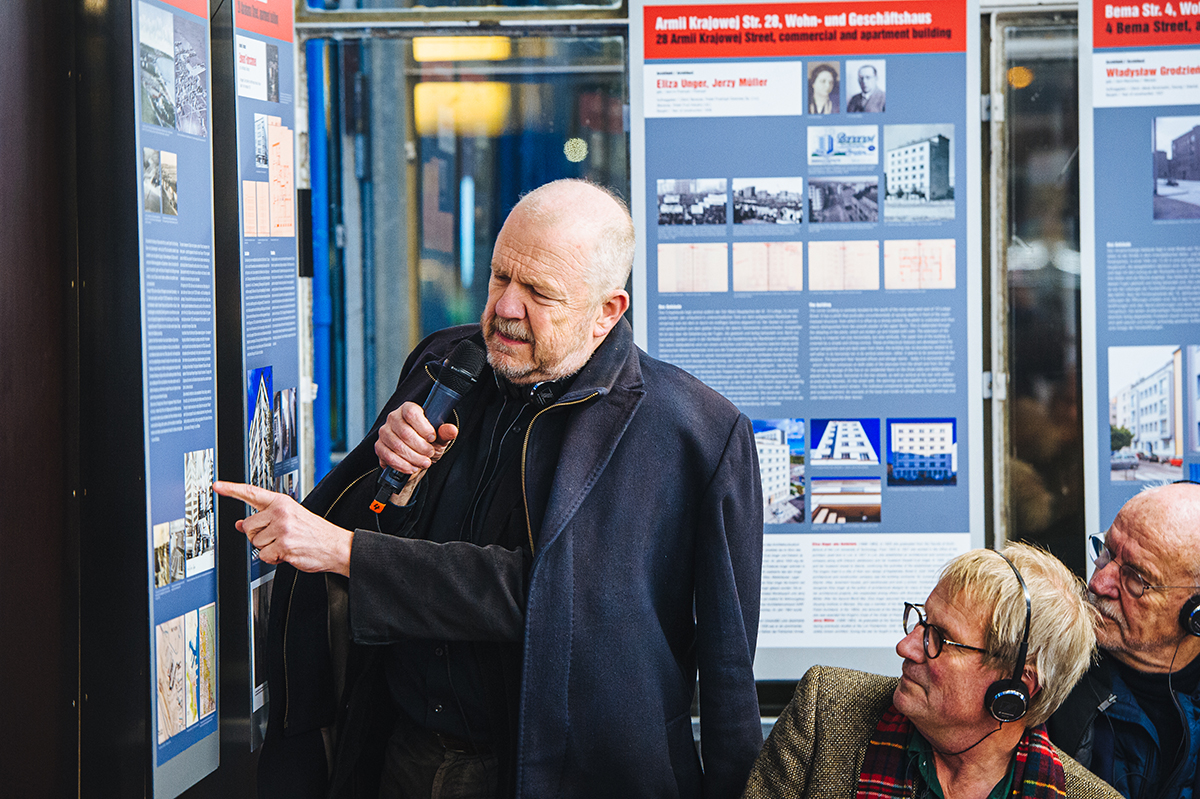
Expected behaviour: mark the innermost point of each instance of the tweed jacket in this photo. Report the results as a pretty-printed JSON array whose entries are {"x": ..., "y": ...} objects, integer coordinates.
[{"x": 817, "y": 746}]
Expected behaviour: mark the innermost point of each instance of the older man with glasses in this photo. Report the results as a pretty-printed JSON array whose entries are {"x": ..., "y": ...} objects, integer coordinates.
[
  {"x": 998, "y": 644},
  {"x": 1134, "y": 719}
]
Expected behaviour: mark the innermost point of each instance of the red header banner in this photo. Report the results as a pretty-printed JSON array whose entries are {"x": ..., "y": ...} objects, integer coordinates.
[
  {"x": 1164, "y": 23},
  {"x": 268, "y": 17},
  {"x": 197, "y": 7},
  {"x": 805, "y": 29}
]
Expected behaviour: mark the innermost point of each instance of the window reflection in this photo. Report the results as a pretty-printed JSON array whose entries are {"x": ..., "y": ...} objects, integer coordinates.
[
  {"x": 433, "y": 140},
  {"x": 1045, "y": 462}
]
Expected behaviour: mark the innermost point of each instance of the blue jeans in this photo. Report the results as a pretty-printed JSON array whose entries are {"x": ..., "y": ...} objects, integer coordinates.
[{"x": 417, "y": 765}]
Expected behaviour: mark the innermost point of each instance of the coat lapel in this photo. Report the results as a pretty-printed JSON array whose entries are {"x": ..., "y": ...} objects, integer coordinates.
[{"x": 595, "y": 429}]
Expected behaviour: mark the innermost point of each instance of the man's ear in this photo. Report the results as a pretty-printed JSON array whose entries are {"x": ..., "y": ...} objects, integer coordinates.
[
  {"x": 1030, "y": 677},
  {"x": 611, "y": 311}
]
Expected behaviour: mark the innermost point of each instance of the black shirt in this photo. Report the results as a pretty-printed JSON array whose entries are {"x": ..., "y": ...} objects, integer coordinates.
[{"x": 472, "y": 494}]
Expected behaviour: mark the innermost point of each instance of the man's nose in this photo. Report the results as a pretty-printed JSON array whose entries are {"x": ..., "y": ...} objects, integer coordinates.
[
  {"x": 510, "y": 305},
  {"x": 1105, "y": 581},
  {"x": 912, "y": 646}
]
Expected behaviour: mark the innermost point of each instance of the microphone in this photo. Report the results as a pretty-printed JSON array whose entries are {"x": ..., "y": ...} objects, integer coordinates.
[{"x": 458, "y": 376}]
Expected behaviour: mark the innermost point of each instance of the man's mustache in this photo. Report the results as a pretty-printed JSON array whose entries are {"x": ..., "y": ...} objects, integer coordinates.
[{"x": 510, "y": 329}]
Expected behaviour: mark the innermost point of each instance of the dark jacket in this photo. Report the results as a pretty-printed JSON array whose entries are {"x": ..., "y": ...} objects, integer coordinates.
[
  {"x": 645, "y": 569},
  {"x": 1101, "y": 725},
  {"x": 817, "y": 747}
]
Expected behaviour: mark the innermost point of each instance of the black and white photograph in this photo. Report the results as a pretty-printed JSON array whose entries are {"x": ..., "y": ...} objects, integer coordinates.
[
  {"x": 151, "y": 181},
  {"x": 868, "y": 81},
  {"x": 168, "y": 169},
  {"x": 156, "y": 37},
  {"x": 918, "y": 172},
  {"x": 692, "y": 201},
  {"x": 1143, "y": 394},
  {"x": 170, "y": 552},
  {"x": 768, "y": 201},
  {"x": 272, "y": 73},
  {"x": 191, "y": 77},
  {"x": 1177, "y": 167},
  {"x": 261, "y": 140},
  {"x": 845, "y": 199},
  {"x": 824, "y": 87},
  {"x": 780, "y": 447},
  {"x": 199, "y": 517}
]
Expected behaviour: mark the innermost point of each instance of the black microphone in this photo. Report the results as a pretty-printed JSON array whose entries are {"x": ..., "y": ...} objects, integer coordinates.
[{"x": 458, "y": 376}]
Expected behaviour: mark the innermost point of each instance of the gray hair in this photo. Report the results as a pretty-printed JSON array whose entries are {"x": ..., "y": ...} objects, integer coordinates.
[{"x": 611, "y": 229}]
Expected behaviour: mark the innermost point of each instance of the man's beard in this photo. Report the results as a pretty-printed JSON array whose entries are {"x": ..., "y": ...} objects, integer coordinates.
[
  {"x": 1110, "y": 610},
  {"x": 570, "y": 355},
  {"x": 512, "y": 330}
]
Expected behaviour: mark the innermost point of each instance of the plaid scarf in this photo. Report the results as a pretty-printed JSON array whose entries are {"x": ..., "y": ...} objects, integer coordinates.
[{"x": 1037, "y": 771}]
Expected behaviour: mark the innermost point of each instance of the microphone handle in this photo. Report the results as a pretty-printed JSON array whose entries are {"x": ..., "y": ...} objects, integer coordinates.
[{"x": 437, "y": 408}]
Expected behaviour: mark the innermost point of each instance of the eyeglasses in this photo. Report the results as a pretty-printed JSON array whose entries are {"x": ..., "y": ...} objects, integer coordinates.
[
  {"x": 934, "y": 638},
  {"x": 1131, "y": 582}
]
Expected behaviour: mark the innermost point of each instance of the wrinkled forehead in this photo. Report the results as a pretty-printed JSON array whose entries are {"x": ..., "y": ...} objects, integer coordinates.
[{"x": 1143, "y": 537}]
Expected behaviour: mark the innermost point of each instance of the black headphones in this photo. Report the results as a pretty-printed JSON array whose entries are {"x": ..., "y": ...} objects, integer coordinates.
[
  {"x": 1007, "y": 700},
  {"x": 1189, "y": 615}
]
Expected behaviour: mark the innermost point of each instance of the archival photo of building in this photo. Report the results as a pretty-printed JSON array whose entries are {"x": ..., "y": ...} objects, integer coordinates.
[
  {"x": 170, "y": 552},
  {"x": 151, "y": 181},
  {"x": 845, "y": 442},
  {"x": 768, "y": 265},
  {"x": 259, "y": 441},
  {"x": 692, "y": 201},
  {"x": 922, "y": 452},
  {"x": 918, "y": 172},
  {"x": 156, "y": 40},
  {"x": 1145, "y": 395},
  {"x": 1177, "y": 167},
  {"x": 698, "y": 267},
  {"x": 839, "y": 200},
  {"x": 846, "y": 500},
  {"x": 191, "y": 77},
  {"x": 768, "y": 201},
  {"x": 780, "y": 445},
  {"x": 199, "y": 517}
]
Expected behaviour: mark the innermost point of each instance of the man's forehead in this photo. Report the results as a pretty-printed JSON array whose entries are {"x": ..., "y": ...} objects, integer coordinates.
[
  {"x": 1141, "y": 537},
  {"x": 962, "y": 608}
]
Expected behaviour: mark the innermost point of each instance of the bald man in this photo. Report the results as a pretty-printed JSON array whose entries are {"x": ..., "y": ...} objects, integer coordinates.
[
  {"x": 1134, "y": 719},
  {"x": 527, "y": 616}
]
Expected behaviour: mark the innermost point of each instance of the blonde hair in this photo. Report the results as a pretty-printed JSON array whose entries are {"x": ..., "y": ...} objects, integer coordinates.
[{"x": 1062, "y": 638}]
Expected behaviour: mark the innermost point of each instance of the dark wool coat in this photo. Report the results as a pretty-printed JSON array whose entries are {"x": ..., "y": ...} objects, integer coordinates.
[
  {"x": 645, "y": 569},
  {"x": 817, "y": 746}
]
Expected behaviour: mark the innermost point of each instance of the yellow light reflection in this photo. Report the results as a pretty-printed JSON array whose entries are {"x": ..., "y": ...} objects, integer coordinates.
[
  {"x": 1020, "y": 77},
  {"x": 575, "y": 150},
  {"x": 461, "y": 48},
  {"x": 475, "y": 108}
]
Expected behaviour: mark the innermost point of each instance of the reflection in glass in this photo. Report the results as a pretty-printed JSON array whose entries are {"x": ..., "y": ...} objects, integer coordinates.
[
  {"x": 433, "y": 139},
  {"x": 1045, "y": 463}
]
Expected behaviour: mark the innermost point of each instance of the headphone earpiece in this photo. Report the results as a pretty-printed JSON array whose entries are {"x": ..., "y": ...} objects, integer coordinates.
[
  {"x": 1008, "y": 700},
  {"x": 1189, "y": 615}
]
